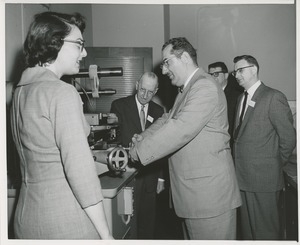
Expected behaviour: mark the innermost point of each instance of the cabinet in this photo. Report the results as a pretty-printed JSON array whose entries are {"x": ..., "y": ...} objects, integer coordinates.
[{"x": 118, "y": 202}]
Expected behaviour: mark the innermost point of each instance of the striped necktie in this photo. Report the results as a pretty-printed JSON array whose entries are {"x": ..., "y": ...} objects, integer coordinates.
[{"x": 142, "y": 117}]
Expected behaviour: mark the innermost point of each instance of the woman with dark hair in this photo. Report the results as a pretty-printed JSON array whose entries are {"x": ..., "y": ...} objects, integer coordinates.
[{"x": 60, "y": 196}]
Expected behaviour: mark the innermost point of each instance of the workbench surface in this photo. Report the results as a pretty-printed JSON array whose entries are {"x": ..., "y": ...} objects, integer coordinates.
[{"x": 111, "y": 185}]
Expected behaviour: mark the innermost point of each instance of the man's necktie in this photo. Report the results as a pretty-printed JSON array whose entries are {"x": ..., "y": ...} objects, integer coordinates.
[
  {"x": 142, "y": 117},
  {"x": 241, "y": 115}
]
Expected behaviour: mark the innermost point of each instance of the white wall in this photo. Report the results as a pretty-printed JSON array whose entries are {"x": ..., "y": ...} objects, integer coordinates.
[
  {"x": 221, "y": 32},
  {"x": 13, "y": 37},
  {"x": 17, "y": 20},
  {"x": 85, "y": 10},
  {"x": 119, "y": 25}
]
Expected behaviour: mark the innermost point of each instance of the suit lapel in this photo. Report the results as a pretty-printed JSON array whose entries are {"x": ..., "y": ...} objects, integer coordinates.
[
  {"x": 178, "y": 104},
  {"x": 150, "y": 114}
]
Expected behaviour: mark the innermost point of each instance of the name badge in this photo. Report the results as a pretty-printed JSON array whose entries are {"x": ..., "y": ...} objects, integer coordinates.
[
  {"x": 251, "y": 103},
  {"x": 150, "y": 119}
]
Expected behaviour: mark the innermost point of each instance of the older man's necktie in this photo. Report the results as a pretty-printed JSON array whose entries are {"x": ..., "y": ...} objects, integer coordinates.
[
  {"x": 241, "y": 115},
  {"x": 142, "y": 117}
]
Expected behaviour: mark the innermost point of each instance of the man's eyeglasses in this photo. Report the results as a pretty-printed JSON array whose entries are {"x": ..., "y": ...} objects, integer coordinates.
[
  {"x": 79, "y": 42},
  {"x": 165, "y": 62},
  {"x": 240, "y": 70},
  {"x": 216, "y": 73},
  {"x": 144, "y": 91}
]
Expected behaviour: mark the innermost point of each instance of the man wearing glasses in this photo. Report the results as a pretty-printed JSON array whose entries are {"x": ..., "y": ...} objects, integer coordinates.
[
  {"x": 232, "y": 90},
  {"x": 194, "y": 135},
  {"x": 264, "y": 138},
  {"x": 135, "y": 113}
]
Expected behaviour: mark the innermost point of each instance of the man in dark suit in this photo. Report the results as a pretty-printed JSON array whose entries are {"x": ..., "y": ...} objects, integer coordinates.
[
  {"x": 232, "y": 90},
  {"x": 194, "y": 135},
  {"x": 135, "y": 113},
  {"x": 264, "y": 138}
]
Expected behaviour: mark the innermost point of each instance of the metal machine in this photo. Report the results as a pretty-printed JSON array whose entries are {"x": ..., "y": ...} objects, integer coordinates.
[
  {"x": 104, "y": 126},
  {"x": 111, "y": 159},
  {"x": 115, "y": 158}
]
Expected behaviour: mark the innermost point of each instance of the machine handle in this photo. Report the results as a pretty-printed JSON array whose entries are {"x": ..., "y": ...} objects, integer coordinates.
[{"x": 117, "y": 159}]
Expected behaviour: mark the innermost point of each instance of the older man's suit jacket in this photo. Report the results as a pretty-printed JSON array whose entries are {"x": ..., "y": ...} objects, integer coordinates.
[
  {"x": 265, "y": 141},
  {"x": 143, "y": 222},
  {"x": 194, "y": 134},
  {"x": 127, "y": 112}
]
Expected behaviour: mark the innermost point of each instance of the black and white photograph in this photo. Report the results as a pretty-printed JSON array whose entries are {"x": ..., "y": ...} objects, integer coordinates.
[{"x": 149, "y": 121}]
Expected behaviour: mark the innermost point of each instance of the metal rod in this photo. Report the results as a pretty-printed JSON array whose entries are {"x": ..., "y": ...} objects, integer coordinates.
[
  {"x": 110, "y": 91},
  {"x": 101, "y": 72}
]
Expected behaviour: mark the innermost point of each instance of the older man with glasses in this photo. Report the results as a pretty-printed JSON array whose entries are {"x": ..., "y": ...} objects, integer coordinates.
[
  {"x": 219, "y": 72},
  {"x": 135, "y": 113}
]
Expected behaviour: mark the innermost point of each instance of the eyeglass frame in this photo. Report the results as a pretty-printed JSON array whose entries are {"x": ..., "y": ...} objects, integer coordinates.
[
  {"x": 165, "y": 62},
  {"x": 240, "y": 70},
  {"x": 79, "y": 42},
  {"x": 151, "y": 93},
  {"x": 217, "y": 73}
]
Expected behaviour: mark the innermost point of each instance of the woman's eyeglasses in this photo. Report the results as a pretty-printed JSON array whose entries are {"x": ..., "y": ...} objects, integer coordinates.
[{"x": 79, "y": 42}]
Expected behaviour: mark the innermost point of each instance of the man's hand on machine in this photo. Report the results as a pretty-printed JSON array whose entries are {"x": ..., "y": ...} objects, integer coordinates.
[
  {"x": 132, "y": 151},
  {"x": 136, "y": 138},
  {"x": 133, "y": 154}
]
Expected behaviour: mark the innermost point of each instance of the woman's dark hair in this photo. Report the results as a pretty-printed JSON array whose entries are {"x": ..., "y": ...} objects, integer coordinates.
[
  {"x": 45, "y": 36},
  {"x": 180, "y": 45}
]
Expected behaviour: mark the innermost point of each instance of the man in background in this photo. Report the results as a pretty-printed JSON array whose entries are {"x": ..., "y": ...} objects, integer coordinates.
[
  {"x": 194, "y": 135},
  {"x": 264, "y": 138},
  {"x": 135, "y": 113},
  {"x": 232, "y": 90}
]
